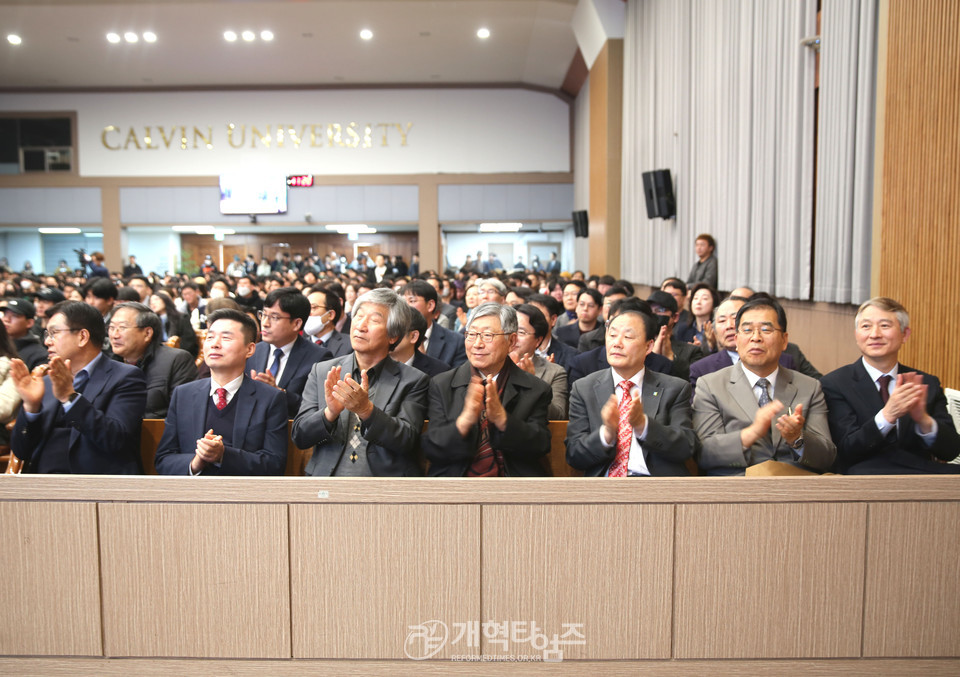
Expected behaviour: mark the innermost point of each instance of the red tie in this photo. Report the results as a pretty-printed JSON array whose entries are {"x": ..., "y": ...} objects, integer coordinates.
[
  {"x": 624, "y": 433},
  {"x": 221, "y": 398}
]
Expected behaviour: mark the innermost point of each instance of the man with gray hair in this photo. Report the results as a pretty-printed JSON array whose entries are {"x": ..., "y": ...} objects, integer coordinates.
[
  {"x": 488, "y": 417},
  {"x": 362, "y": 413},
  {"x": 886, "y": 417},
  {"x": 137, "y": 338}
]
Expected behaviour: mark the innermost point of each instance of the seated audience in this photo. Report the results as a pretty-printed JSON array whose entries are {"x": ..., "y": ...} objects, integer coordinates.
[
  {"x": 362, "y": 413},
  {"x": 597, "y": 337},
  {"x": 589, "y": 304},
  {"x": 886, "y": 417},
  {"x": 664, "y": 307},
  {"x": 628, "y": 420},
  {"x": 135, "y": 338},
  {"x": 531, "y": 330},
  {"x": 488, "y": 417},
  {"x": 321, "y": 326},
  {"x": 792, "y": 349},
  {"x": 227, "y": 424},
  {"x": 19, "y": 317},
  {"x": 407, "y": 350},
  {"x": 442, "y": 344},
  {"x": 756, "y": 410},
  {"x": 173, "y": 323},
  {"x": 703, "y": 301}
]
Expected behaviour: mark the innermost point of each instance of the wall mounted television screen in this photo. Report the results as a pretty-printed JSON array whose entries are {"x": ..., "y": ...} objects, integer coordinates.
[{"x": 253, "y": 194}]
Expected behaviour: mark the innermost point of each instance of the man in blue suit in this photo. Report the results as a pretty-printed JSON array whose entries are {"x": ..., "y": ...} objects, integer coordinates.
[
  {"x": 84, "y": 415},
  {"x": 283, "y": 359},
  {"x": 228, "y": 424},
  {"x": 442, "y": 344}
]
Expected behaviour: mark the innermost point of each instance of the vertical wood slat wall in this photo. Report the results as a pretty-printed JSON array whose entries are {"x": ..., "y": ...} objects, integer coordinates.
[{"x": 920, "y": 217}]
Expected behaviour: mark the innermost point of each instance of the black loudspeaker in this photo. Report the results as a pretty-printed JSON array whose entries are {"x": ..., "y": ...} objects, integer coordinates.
[
  {"x": 581, "y": 224},
  {"x": 658, "y": 192}
]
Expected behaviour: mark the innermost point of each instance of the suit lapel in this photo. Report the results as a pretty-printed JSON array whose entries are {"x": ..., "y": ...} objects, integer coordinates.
[
  {"x": 651, "y": 392},
  {"x": 246, "y": 406},
  {"x": 386, "y": 384},
  {"x": 740, "y": 392},
  {"x": 786, "y": 392},
  {"x": 603, "y": 389},
  {"x": 98, "y": 378},
  {"x": 293, "y": 361},
  {"x": 196, "y": 405},
  {"x": 510, "y": 390}
]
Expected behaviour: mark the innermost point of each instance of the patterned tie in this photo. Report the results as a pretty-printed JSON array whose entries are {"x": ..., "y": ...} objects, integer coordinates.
[
  {"x": 275, "y": 367},
  {"x": 485, "y": 462},
  {"x": 80, "y": 381},
  {"x": 221, "y": 398},
  {"x": 355, "y": 439},
  {"x": 624, "y": 433},
  {"x": 764, "y": 392},
  {"x": 884, "y": 382}
]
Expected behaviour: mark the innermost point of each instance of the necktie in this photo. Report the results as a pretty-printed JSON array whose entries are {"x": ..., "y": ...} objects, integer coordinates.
[
  {"x": 764, "y": 392},
  {"x": 221, "y": 398},
  {"x": 275, "y": 367},
  {"x": 485, "y": 463},
  {"x": 80, "y": 381},
  {"x": 624, "y": 432},
  {"x": 884, "y": 382}
]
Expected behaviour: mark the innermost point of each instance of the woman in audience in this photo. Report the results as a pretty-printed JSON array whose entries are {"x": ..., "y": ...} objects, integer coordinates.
[
  {"x": 471, "y": 299},
  {"x": 173, "y": 322},
  {"x": 703, "y": 299}
]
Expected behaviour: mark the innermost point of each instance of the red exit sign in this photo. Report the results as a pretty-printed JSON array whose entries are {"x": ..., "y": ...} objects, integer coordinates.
[{"x": 300, "y": 181}]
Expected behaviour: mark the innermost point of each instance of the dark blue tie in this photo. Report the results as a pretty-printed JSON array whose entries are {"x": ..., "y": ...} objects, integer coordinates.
[
  {"x": 80, "y": 381},
  {"x": 275, "y": 367}
]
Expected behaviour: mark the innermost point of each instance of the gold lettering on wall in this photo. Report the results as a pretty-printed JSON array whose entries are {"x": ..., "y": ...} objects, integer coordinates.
[
  {"x": 383, "y": 126},
  {"x": 132, "y": 137},
  {"x": 148, "y": 140},
  {"x": 207, "y": 140},
  {"x": 167, "y": 140},
  {"x": 403, "y": 132},
  {"x": 231, "y": 128},
  {"x": 256, "y": 134},
  {"x": 103, "y": 137},
  {"x": 316, "y": 136}
]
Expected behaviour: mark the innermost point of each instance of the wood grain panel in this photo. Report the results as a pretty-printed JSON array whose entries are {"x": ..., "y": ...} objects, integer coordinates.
[
  {"x": 606, "y": 134},
  {"x": 50, "y": 597},
  {"x": 912, "y": 591},
  {"x": 921, "y": 178},
  {"x": 362, "y": 575},
  {"x": 607, "y": 568},
  {"x": 195, "y": 580},
  {"x": 772, "y": 581}
]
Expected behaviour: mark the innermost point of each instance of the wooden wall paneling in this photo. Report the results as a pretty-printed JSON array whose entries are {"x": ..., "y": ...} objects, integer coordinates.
[
  {"x": 362, "y": 575},
  {"x": 769, "y": 581},
  {"x": 50, "y": 597},
  {"x": 912, "y": 591},
  {"x": 608, "y": 568},
  {"x": 195, "y": 580},
  {"x": 920, "y": 185}
]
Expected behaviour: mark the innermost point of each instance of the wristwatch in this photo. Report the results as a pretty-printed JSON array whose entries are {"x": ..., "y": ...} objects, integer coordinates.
[
  {"x": 797, "y": 443},
  {"x": 72, "y": 398}
]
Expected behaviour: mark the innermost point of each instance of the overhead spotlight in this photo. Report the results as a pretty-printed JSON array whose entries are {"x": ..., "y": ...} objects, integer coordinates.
[
  {"x": 266, "y": 36},
  {"x": 14, "y": 39},
  {"x": 131, "y": 37},
  {"x": 149, "y": 36},
  {"x": 366, "y": 34},
  {"x": 248, "y": 36},
  {"x": 483, "y": 33},
  {"x": 229, "y": 36},
  {"x": 113, "y": 38}
]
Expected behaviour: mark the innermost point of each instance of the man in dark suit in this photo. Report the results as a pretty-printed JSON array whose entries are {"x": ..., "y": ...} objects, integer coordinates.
[
  {"x": 725, "y": 326},
  {"x": 407, "y": 350},
  {"x": 363, "y": 413},
  {"x": 589, "y": 305},
  {"x": 283, "y": 358},
  {"x": 442, "y": 344},
  {"x": 136, "y": 339},
  {"x": 488, "y": 418},
  {"x": 886, "y": 417},
  {"x": 597, "y": 337},
  {"x": 228, "y": 424},
  {"x": 664, "y": 307},
  {"x": 740, "y": 422},
  {"x": 628, "y": 420},
  {"x": 84, "y": 415},
  {"x": 553, "y": 265},
  {"x": 326, "y": 309}
]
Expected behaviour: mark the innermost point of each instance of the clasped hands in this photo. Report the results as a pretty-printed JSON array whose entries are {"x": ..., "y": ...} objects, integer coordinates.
[
  {"x": 909, "y": 397},
  {"x": 790, "y": 425},
  {"x": 30, "y": 385},
  {"x": 347, "y": 394},
  {"x": 610, "y": 416},
  {"x": 209, "y": 450},
  {"x": 478, "y": 398}
]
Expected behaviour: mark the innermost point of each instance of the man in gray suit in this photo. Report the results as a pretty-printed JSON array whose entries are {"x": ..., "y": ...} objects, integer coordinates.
[
  {"x": 363, "y": 412},
  {"x": 758, "y": 410},
  {"x": 629, "y": 421}
]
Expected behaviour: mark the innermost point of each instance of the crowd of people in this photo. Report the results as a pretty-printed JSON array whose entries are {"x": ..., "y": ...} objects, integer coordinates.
[{"x": 360, "y": 353}]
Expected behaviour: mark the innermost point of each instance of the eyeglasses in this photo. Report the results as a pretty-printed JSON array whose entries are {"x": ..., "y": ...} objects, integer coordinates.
[
  {"x": 316, "y": 308},
  {"x": 524, "y": 332},
  {"x": 53, "y": 333},
  {"x": 273, "y": 317},
  {"x": 111, "y": 328},
  {"x": 765, "y": 329},
  {"x": 487, "y": 336}
]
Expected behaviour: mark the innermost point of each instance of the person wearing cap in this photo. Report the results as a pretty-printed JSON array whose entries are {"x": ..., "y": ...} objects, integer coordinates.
[
  {"x": 44, "y": 300},
  {"x": 666, "y": 313},
  {"x": 18, "y": 318}
]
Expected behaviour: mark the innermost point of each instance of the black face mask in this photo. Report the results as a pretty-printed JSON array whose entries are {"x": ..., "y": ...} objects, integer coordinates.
[{"x": 661, "y": 320}]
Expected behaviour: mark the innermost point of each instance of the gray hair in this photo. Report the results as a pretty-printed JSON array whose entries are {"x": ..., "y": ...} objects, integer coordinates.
[
  {"x": 887, "y": 305},
  {"x": 397, "y": 319},
  {"x": 145, "y": 318},
  {"x": 495, "y": 283},
  {"x": 507, "y": 315}
]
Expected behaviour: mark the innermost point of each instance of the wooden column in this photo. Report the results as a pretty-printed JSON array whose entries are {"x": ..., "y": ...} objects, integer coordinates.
[
  {"x": 429, "y": 233},
  {"x": 606, "y": 131},
  {"x": 110, "y": 215}
]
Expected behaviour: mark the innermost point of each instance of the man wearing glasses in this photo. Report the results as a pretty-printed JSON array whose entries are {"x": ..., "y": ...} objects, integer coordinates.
[
  {"x": 81, "y": 413},
  {"x": 758, "y": 410},
  {"x": 488, "y": 417},
  {"x": 283, "y": 359}
]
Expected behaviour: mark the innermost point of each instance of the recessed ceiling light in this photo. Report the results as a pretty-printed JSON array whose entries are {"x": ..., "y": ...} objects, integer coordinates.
[
  {"x": 14, "y": 39},
  {"x": 229, "y": 36},
  {"x": 131, "y": 37},
  {"x": 483, "y": 33},
  {"x": 248, "y": 36},
  {"x": 149, "y": 36},
  {"x": 366, "y": 34},
  {"x": 113, "y": 38},
  {"x": 266, "y": 36}
]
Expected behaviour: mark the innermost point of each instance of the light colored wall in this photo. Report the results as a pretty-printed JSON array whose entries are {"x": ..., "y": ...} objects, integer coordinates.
[{"x": 157, "y": 252}]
